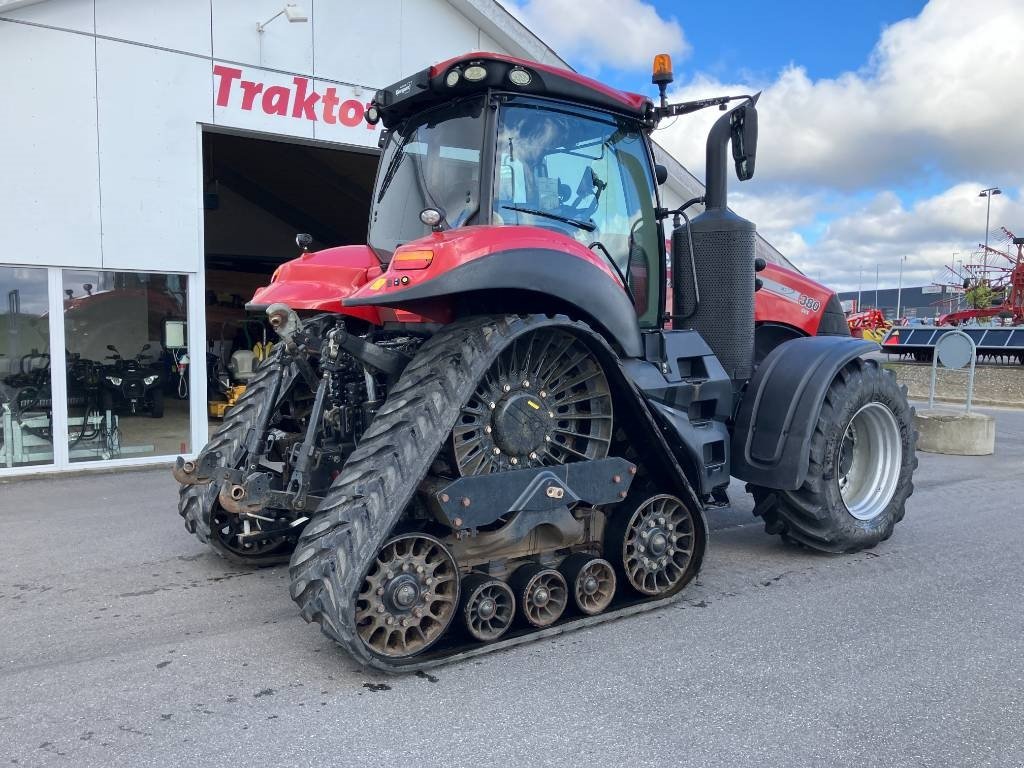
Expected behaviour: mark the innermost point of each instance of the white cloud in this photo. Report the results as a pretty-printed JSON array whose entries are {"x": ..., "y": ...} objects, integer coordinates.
[
  {"x": 880, "y": 231},
  {"x": 942, "y": 91},
  {"x": 623, "y": 34},
  {"x": 938, "y": 99}
]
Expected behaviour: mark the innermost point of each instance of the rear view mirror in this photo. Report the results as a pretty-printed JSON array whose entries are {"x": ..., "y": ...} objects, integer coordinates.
[{"x": 743, "y": 128}]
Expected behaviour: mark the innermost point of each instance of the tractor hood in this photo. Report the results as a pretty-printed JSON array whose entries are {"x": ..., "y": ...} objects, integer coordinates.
[{"x": 321, "y": 280}]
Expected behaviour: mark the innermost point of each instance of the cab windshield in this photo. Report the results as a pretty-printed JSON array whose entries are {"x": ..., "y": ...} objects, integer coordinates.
[
  {"x": 587, "y": 175},
  {"x": 430, "y": 161}
]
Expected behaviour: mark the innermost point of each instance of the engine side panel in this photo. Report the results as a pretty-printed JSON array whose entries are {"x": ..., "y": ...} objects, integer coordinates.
[
  {"x": 690, "y": 393},
  {"x": 777, "y": 417}
]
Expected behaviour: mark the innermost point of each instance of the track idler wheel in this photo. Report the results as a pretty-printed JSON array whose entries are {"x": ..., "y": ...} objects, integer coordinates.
[
  {"x": 592, "y": 582},
  {"x": 488, "y": 607},
  {"x": 656, "y": 544},
  {"x": 541, "y": 592},
  {"x": 408, "y": 598}
]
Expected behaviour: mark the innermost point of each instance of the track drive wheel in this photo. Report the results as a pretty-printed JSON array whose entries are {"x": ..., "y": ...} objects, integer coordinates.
[
  {"x": 861, "y": 467},
  {"x": 659, "y": 545}
]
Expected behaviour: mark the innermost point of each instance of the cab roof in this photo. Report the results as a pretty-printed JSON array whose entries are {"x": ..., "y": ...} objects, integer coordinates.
[{"x": 447, "y": 80}]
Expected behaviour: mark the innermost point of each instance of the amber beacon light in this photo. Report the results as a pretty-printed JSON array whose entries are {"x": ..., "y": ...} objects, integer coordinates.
[{"x": 661, "y": 74}]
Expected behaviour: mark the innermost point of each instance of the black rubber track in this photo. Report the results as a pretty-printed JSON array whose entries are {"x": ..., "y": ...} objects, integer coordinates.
[
  {"x": 197, "y": 503},
  {"x": 814, "y": 515},
  {"x": 382, "y": 474}
]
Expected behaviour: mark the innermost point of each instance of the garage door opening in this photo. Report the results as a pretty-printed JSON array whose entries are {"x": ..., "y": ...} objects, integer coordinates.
[{"x": 258, "y": 194}]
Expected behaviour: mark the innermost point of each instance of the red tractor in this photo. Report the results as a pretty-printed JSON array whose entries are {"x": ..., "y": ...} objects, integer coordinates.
[{"x": 493, "y": 422}]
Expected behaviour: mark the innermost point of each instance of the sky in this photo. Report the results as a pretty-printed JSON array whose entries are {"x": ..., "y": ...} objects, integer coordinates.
[{"x": 880, "y": 120}]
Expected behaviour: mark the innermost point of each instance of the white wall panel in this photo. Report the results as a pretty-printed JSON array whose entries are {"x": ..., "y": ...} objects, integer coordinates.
[
  {"x": 433, "y": 31},
  {"x": 358, "y": 42},
  {"x": 49, "y": 189},
  {"x": 149, "y": 104},
  {"x": 286, "y": 46},
  {"x": 182, "y": 25},
  {"x": 489, "y": 44},
  {"x": 69, "y": 14}
]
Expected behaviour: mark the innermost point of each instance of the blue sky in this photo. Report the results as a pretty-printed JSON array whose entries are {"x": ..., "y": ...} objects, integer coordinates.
[
  {"x": 880, "y": 120},
  {"x": 745, "y": 39}
]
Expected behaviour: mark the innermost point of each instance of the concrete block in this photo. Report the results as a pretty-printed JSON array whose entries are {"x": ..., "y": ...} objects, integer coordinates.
[{"x": 956, "y": 433}]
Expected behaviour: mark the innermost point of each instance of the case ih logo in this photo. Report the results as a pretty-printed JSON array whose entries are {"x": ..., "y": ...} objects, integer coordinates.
[{"x": 298, "y": 100}]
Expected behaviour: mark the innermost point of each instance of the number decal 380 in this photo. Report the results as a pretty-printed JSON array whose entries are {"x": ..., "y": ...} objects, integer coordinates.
[{"x": 809, "y": 302}]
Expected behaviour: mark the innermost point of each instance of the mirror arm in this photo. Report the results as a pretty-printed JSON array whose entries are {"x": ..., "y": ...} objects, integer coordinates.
[{"x": 686, "y": 107}]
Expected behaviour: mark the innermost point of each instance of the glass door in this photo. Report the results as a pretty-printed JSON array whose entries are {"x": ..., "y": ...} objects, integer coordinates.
[{"x": 26, "y": 413}]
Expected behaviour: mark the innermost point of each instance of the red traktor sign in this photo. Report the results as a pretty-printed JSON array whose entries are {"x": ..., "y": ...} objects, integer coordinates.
[{"x": 271, "y": 95}]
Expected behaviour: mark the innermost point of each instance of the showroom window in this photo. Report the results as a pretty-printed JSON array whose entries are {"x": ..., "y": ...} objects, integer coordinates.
[
  {"x": 127, "y": 364},
  {"x": 25, "y": 394}
]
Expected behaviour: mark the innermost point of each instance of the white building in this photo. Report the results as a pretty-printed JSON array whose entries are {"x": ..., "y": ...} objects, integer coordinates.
[{"x": 156, "y": 160}]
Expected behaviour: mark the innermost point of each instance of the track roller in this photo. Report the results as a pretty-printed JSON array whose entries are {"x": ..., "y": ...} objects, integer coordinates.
[
  {"x": 541, "y": 592},
  {"x": 656, "y": 544},
  {"x": 591, "y": 581},
  {"x": 487, "y": 607},
  {"x": 409, "y": 596}
]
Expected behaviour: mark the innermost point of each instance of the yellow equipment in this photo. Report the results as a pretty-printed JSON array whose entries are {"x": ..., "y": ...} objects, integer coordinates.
[{"x": 218, "y": 408}]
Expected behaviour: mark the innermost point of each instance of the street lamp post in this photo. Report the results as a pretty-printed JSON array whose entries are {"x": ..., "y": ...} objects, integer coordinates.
[
  {"x": 899, "y": 289},
  {"x": 876, "y": 286},
  {"x": 860, "y": 283},
  {"x": 987, "y": 193}
]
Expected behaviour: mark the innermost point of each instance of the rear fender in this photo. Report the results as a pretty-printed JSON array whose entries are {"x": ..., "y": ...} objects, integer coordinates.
[{"x": 777, "y": 416}]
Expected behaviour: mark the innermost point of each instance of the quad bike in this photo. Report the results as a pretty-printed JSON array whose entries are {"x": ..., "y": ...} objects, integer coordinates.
[
  {"x": 495, "y": 421},
  {"x": 133, "y": 385}
]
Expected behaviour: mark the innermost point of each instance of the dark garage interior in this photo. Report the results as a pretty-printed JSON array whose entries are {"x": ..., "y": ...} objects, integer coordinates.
[{"x": 257, "y": 195}]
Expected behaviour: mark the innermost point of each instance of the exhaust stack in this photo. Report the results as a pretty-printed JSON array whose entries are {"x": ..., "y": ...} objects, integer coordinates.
[{"x": 721, "y": 307}]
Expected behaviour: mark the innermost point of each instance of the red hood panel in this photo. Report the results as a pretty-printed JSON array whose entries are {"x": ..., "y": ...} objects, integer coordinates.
[
  {"x": 790, "y": 298},
  {"x": 320, "y": 281}
]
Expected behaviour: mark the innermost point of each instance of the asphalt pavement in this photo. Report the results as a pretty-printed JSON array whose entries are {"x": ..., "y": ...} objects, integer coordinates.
[{"x": 124, "y": 641}]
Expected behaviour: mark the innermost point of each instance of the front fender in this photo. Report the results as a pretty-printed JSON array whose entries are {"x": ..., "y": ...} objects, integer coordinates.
[
  {"x": 777, "y": 416},
  {"x": 591, "y": 291}
]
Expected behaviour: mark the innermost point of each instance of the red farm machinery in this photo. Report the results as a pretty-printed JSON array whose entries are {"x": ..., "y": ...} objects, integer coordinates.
[
  {"x": 997, "y": 329},
  {"x": 494, "y": 422}
]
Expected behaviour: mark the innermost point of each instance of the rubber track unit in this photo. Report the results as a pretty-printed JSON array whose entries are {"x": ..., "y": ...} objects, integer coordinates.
[
  {"x": 196, "y": 502},
  {"x": 380, "y": 477},
  {"x": 803, "y": 516}
]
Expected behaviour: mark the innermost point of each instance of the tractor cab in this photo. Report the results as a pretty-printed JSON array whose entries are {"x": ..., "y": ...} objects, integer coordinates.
[{"x": 497, "y": 142}]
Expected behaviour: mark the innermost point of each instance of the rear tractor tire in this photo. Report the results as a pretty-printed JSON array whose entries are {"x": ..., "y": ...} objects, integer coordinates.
[{"x": 860, "y": 468}]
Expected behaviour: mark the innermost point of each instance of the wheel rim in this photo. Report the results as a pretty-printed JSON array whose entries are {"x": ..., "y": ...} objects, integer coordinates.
[
  {"x": 544, "y": 401},
  {"x": 409, "y": 596},
  {"x": 869, "y": 461},
  {"x": 488, "y": 609},
  {"x": 543, "y": 596},
  {"x": 594, "y": 586},
  {"x": 227, "y": 527},
  {"x": 658, "y": 545}
]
